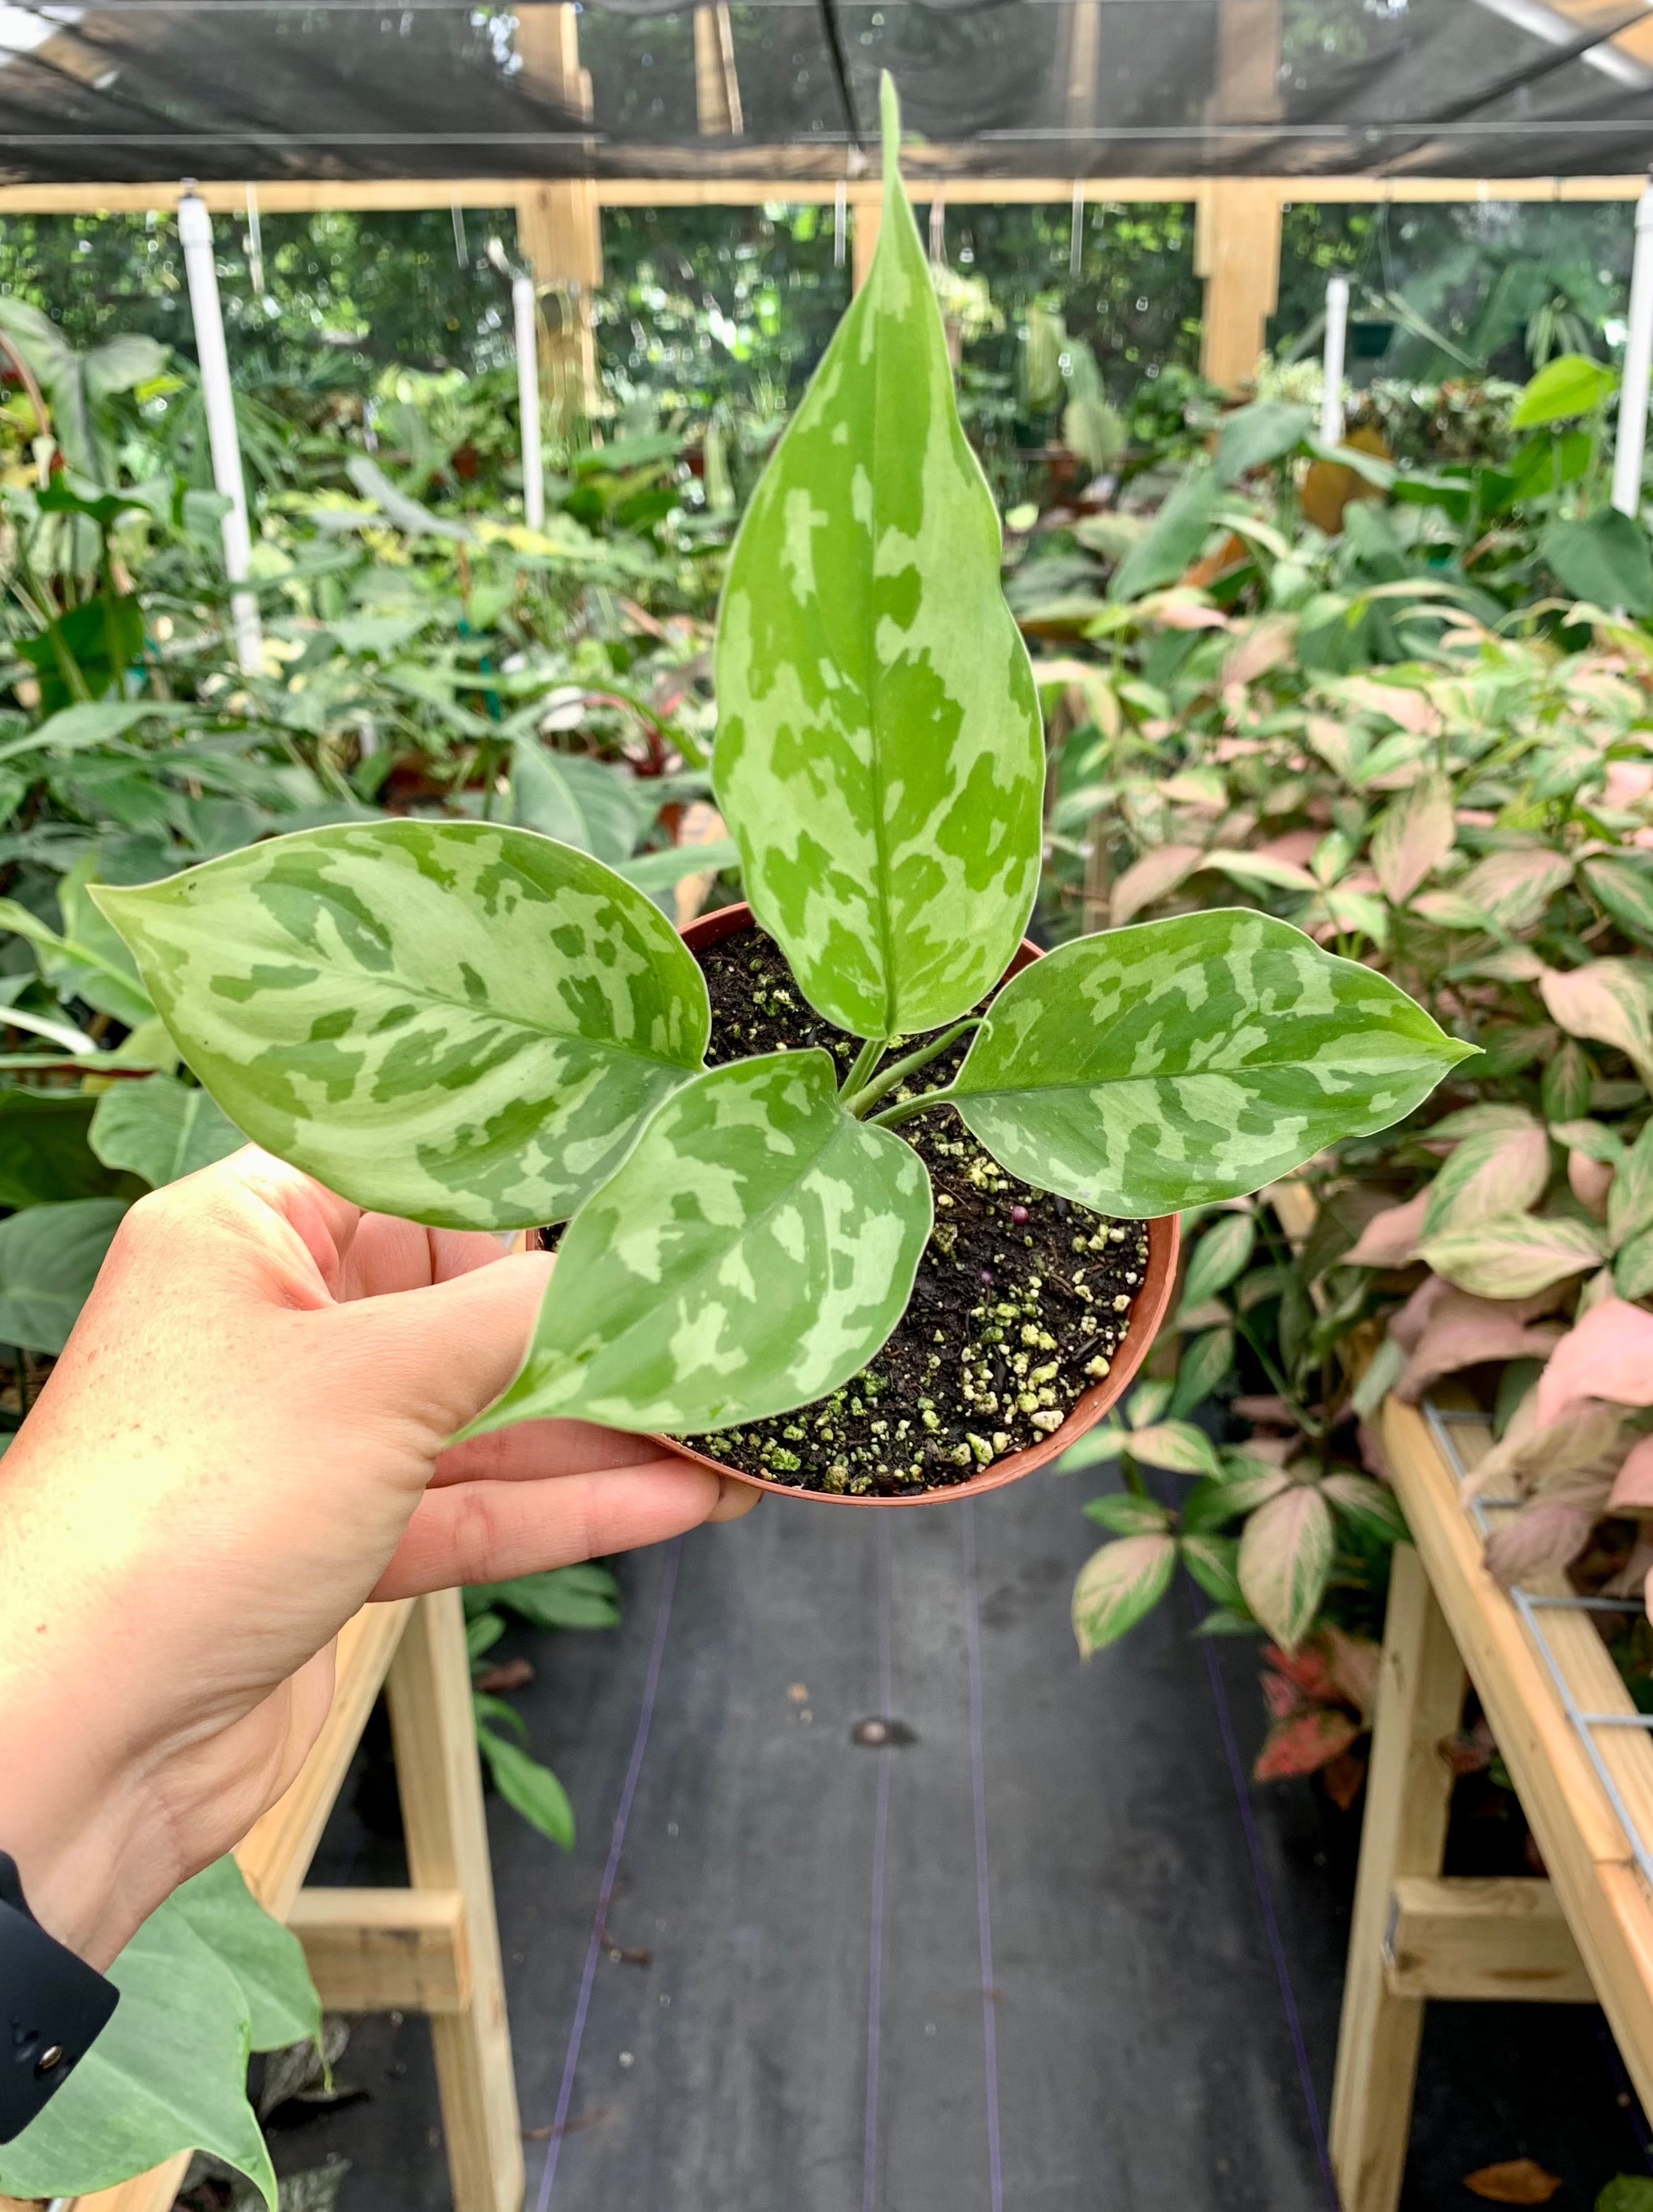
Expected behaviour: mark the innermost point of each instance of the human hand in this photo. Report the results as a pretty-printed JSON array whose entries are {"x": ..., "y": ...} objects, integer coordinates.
[{"x": 243, "y": 1442}]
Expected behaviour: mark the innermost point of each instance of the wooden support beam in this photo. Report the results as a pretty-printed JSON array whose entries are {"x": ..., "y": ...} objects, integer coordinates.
[
  {"x": 428, "y": 1690},
  {"x": 717, "y": 86},
  {"x": 560, "y": 229},
  {"x": 386, "y": 1950},
  {"x": 1420, "y": 1687},
  {"x": 814, "y": 185},
  {"x": 1237, "y": 251},
  {"x": 1498, "y": 1938}
]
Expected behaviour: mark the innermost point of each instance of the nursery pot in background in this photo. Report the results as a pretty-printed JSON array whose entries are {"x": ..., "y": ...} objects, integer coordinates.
[{"x": 1148, "y": 1310}]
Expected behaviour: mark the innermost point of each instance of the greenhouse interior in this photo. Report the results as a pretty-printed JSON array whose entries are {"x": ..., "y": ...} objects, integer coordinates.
[{"x": 898, "y": 752}]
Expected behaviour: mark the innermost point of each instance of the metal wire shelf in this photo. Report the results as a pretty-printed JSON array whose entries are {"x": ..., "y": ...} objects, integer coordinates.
[{"x": 1532, "y": 1606}]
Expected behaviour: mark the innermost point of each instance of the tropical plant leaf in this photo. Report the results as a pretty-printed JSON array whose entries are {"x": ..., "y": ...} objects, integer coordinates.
[
  {"x": 167, "y": 2073},
  {"x": 1302, "y": 1743},
  {"x": 1512, "y": 889},
  {"x": 161, "y": 1129},
  {"x": 1174, "y": 539},
  {"x": 1610, "y": 1000},
  {"x": 753, "y": 1252},
  {"x": 1509, "y": 1255},
  {"x": 1286, "y": 1557},
  {"x": 1572, "y": 384},
  {"x": 585, "y": 1597},
  {"x": 1126, "y": 1514},
  {"x": 588, "y": 804},
  {"x": 49, "y": 1260},
  {"x": 1490, "y": 1171},
  {"x": 447, "y": 1020},
  {"x": 1372, "y": 1508},
  {"x": 1118, "y": 1585},
  {"x": 1414, "y": 836},
  {"x": 1222, "y": 1253},
  {"x": 1212, "y": 1560},
  {"x": 1626, "y": 892},
  {"x": 1177, "y": 1062},
  {"x": 1632, "y": 1267},
  {"x": 529, "y": 1788},
  {"x": 45, "y": 1154},
  {"x": 1205, "y": 1365},
  {"x": 879, "y": 757},
  {"x": 1155, "y": 876},
  {"x": 1177, "y": 1445},
  {"x": 1211, "y": 1504},
  {"x": 1630, "y": 1196},
  {"x": 266, "y": 1958},
  {"x": 1602, "y": 559}
]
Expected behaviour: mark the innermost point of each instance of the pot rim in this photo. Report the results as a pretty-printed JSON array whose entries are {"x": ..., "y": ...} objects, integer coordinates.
[{"x": 1148, "y": 1311}]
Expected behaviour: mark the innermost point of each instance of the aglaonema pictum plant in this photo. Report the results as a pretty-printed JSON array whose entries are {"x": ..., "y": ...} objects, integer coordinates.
[{"x": 481, "y": 1028}]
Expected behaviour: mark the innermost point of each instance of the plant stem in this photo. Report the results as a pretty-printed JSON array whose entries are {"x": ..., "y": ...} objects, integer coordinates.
[
  {"x": 864, "y": 1061},
  {"x": 870, "y": 1093},
  {"x": 893, "y": 1114}
]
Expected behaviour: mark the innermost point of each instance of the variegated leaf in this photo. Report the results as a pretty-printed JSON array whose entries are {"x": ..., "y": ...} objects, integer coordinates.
[
  {"x": 1492, "y": 1171},
  {"x": 1155, "y": 876},
  {"x": 1286, "y": 1557},
  {"x": 1513, "y": 1254},
  {"x": 754, "y": 1251},
  {"x": 1118, "y": 1585},
  {"x": 1414, "y": 836},
  {"x": 1611, "y": 1000},
  {"x": 1512, "y": 889},
  {"x": 1203, "y": 1366},
  {"x": 1632, "y": 1267},
  {"x": 1177, "y": 1445},
  {"x": 454, "y": 1022},
  {"x": 1630, "y": 1197},
  {"x": 1211, "y": 1561},
  {"x": 1368, "y": 1503},
  {"x": 1213, "y": 1504},
  {"x": 1626, "y": 892},
  {"x": 1186, "y": 1061},
  {"x": 880, "y": 758},
  {"x": 1126, "y": 1514}
]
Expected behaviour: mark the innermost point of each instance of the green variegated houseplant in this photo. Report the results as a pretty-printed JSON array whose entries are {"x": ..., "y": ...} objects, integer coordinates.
[{"x": 479, "y": 1027}]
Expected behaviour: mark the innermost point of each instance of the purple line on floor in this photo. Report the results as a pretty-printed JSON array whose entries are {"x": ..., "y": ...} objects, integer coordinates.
[
  {"x": 880, "y": 1834},
  {"x": 611, "y": 1872},
  {"x": 1236, "y": 1775},
  {"x": 983, "y": 1891}
]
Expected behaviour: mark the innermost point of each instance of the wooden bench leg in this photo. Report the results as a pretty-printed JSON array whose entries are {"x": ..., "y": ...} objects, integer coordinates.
[
  {"x": 1420, "y": 1701},
  {"x": 428, "y": 1690}
]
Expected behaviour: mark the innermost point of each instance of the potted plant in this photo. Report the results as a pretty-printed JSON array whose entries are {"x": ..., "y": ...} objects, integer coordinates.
[{"x": 479, "y": 1027}]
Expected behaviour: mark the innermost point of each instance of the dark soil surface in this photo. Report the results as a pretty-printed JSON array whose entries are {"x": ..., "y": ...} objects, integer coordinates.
[{"x": 1021, "y": 1300}]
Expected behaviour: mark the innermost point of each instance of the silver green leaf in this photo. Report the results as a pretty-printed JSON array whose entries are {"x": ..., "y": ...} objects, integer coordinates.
[
  {"x": 161, "y": 1129},
  {"x": 880, "y": 758},
  {"x": 449, "y": 1020},
  {"x": 1178, "y": 1062},
  {"x": 754, "y": 1251}
]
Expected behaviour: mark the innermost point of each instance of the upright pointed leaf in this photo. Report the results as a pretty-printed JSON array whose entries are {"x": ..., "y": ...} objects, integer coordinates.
[
  {"x": 754, "y": 1251},
  {"x": 1608, "y": 1000},
  {"x": 266, "y": 1958},
  {"x": 1182, "y": 1061},
  {"x": 1223, "y": 1254},
  {"x": 1285, "y": 1557},
  {"x": 1414, "y": 836},
  {"x": 462, "y": 1024},
  {"x": 1497, "y": 1170},
  {"x": 880, "y": 758},
  {"x": 1118, "y": 1585}
]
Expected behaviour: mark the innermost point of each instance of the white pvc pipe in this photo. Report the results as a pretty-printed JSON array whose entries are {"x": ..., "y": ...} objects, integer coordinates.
[
  {"x": 195, "y": 234},
  {"x": 534, "y": 462},
  {"x": 1337, "y": 340},
  {"x": 1638, "y": 368}
]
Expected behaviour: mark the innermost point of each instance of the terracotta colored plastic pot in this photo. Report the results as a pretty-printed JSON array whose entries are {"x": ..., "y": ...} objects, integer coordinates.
[{"x": 1147, "y": 1313}]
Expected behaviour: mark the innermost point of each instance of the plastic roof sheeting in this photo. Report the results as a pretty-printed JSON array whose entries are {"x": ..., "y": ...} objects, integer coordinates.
[{"x": 146, "y": 90}]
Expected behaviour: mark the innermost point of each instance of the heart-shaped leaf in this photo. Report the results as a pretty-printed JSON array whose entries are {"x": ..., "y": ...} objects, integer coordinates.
[
  {"x": 458, "y": 1023},
  {"x": 879, "y": 757},
  {"x": 266, "y": 1958},
  {"x": 49, "y": 1258},
  {"x": 1180, "y": 1061},
  {"x": 167, "y": 2073},
  {"x": 754, "y": 1251},
  {"x": 1118, "y": 1585},
  {"x": 161, "y": 1129}
]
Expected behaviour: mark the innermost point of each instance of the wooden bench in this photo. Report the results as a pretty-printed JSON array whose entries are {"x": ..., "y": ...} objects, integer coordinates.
[
  {"x": 1581, "y": 1758},
  {"x": 433, "y": 1947}
]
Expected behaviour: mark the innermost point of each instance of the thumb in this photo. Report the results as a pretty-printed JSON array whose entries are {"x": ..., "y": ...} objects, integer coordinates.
[{"x": 437, "y": 1356}]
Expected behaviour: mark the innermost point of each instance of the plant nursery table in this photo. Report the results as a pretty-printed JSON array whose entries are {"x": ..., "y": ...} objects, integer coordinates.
[
  {"x": 1581, "y": 1757},
  {"x": 432, "y": 1947}
]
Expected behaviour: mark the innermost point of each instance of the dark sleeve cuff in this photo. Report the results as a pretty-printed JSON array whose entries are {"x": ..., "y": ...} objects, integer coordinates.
[{"x": 52, "y": 2007}]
